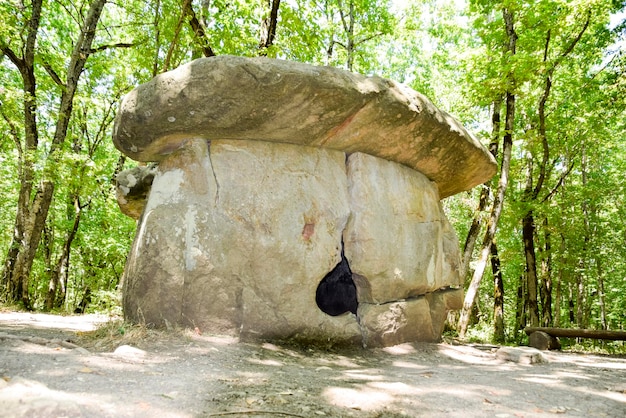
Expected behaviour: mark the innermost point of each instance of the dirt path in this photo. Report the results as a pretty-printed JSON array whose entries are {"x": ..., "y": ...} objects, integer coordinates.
[{"x": 188, "y": 375}]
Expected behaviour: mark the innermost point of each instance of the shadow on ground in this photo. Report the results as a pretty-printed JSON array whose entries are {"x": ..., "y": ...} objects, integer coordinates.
[{"x": 47, "y": 371}]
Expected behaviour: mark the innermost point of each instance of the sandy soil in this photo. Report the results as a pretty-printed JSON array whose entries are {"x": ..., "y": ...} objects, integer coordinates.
[{"x": 47, "y": 370}]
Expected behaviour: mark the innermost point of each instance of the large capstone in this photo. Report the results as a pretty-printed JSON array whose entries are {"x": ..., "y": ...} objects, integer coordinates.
[
  {"x": 272, "y": 100},
  {"x": 292, "y": 202}
]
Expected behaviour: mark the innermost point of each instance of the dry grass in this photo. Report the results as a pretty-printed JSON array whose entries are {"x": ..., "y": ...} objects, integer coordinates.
[{"x": 114, "y": 333}]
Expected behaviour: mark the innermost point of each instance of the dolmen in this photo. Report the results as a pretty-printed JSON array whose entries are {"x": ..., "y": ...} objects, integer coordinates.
[{"x": 283, "y": 201}]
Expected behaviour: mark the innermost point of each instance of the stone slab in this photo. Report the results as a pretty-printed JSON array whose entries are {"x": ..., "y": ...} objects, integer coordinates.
[{"x": 229, "y": 97}]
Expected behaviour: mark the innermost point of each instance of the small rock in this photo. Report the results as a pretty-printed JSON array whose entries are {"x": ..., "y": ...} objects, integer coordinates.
[
  {"x": 128, "y": 352},
  {"x": 522, "y": 355}
]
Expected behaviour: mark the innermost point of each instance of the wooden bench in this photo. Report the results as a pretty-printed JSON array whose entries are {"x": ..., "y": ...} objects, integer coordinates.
[{"x": 547, "y": 338}]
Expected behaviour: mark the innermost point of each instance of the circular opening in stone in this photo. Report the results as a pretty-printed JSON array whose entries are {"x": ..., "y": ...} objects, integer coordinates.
[{"x": 336, "y": 293}]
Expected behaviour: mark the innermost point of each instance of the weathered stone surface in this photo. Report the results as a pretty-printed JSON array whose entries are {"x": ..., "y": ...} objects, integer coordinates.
[
  {"x": 229, "y": 97},
  {"x": 235, "y": 240},
  {"x": 237, "y": 235},
  {"x": 522, "y": 355},
  {"x": 417, "y": 319},
  {"x": 398, "y": 241},
  {"x": 396, "y": 323},
  {"x": 543, "y": 341},
  {"x": 453, "y": 299},
  {"x": 132, "y": 187}
]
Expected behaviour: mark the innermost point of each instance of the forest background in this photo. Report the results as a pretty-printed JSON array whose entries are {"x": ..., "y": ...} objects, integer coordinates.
[{"x": 541, "y": 82}]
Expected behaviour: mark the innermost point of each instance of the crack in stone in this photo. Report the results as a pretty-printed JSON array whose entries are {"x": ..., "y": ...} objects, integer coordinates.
[
  {"x": 217, "y": 183},
  {"x": 412, "y": 298}
]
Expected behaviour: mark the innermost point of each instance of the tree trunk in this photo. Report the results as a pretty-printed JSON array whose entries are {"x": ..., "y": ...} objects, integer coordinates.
[
  {"x": 601, "y": 300},
  {"x": 580, "y": 301},
  {"x": 498, "y": 296},
  {"x": 199, "y": 34},
  {"x": 520, "y": 307},
  {"x": 528, "y": 233},
  {"x": 558, "y": 300},
  {"x": 58, "y": 276},
  {"x": 268, "y": 27},
  {"x": 36, "y": 212},
  {"x": 570, "y": 305},
  {"x": 11, "y": 278},
  {"x": 157, "y": 38},
  {"x": 174, "y": 42},
  {"x": 498, "y": 202},
  {"x": 472, "y": 234},
  {"x": 582, "y": 264},
  {"x": 546, "y": 278},
  {"x": 347, "y": 20},
  {"x": 32, "y": 234}
]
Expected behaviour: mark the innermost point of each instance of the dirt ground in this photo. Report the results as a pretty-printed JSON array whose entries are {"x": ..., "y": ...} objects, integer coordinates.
[{"x": 51, "y": 367}]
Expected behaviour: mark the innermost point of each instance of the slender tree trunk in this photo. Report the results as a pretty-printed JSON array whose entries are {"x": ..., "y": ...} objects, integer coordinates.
[
  {"x": 520, "y": 307},
  {"x": 558, "y": 300},
  {"x": 601, "y": 294},
  {"x": 528, "y": 233},
  {"x": 546, "y": 277},
  {"x": 580, "y": 301},
  {"x": 199, "y": 34},
  {"x": 347, "y": 20},
  {"x": 498, "y": 202},
  {"x": 179, "y": 26},
  {"x": 157, "y": 37},
  {"x": 268, "y": 27},
  {"x": 498, "y": 296},
  {"x": 570, "y": 305},
  {"x": 58, "y": 276},
  {"x": 32, "y": 234},
  {"x": 582, "y": 263},
  {"x": 474, "y": 231}
]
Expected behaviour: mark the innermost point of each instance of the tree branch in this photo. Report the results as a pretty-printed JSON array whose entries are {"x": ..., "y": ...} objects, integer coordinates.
[
  {"x": 14, "y": 132},
  {"x": 367, "y": 38},
  {"x": 558, "y": 184},
  {"x": 570, "y": 48},
  {"x": 111, "y": 46},
  {"x": 179, "y": 26},
  {"x": 200, "y": 34},
  {"x": 17, "y": 61},
  {"x": 55, "y": 77}
]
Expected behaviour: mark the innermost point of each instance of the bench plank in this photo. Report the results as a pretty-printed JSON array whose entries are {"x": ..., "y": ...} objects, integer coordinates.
[{"x": 579, "y": 333}]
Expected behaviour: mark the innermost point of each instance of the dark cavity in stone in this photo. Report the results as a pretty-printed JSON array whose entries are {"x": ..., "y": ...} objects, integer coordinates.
[{"x": 336, "y": 293}]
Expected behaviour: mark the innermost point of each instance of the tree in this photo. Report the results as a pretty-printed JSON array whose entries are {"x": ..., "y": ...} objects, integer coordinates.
[
  {"x": 34, "y": 204},
  {"x": 498, "y": 202}
]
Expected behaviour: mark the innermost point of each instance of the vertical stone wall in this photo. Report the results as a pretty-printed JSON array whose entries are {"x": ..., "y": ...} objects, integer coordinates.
[{"x": 236, "y": 236}]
